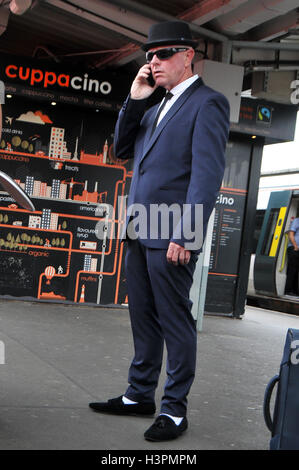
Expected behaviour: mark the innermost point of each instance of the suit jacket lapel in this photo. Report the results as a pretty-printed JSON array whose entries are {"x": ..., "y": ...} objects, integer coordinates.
[
  {"x": 149, "y": 141},
  {"x": 151, "y": 119}
]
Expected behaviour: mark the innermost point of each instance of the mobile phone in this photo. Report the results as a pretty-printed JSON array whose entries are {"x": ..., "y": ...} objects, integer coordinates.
[{"x": 151, "y": 80}]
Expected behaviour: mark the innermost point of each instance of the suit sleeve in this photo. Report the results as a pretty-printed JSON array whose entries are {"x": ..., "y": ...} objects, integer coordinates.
[
  {"x": 210, "y": 135},
  {"x": 127, "y": 127}
]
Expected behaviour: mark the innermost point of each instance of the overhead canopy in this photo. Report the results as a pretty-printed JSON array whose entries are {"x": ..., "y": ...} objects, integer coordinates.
[{"x": 261, "y": 36}]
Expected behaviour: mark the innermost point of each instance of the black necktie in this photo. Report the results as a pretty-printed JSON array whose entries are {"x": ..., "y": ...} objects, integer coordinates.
[{"x": 167, "y": 97}]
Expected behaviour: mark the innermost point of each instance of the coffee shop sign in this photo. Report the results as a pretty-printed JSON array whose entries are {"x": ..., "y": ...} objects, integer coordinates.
[{"x": 46, "y": 78}]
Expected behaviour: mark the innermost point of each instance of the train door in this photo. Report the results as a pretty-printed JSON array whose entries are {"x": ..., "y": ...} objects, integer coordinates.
[{"x": 271, "y": 255}]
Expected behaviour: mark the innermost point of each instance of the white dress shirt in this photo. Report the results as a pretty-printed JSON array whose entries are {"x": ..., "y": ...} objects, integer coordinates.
[{"x": 176, "y": 91}]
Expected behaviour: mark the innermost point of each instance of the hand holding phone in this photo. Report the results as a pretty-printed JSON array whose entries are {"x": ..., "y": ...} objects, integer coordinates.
[
  {"x": 151, "y": 80},
  {"x": 144, "y": 84}
]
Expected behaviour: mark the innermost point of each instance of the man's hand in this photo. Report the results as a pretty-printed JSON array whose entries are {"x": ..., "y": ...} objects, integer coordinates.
[
  {"x": 140, "y": 88},
  {"x": 176, "y": 254}
]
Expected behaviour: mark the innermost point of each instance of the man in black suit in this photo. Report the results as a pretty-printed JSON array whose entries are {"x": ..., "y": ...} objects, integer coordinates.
[{"x": 178, "y": 150}]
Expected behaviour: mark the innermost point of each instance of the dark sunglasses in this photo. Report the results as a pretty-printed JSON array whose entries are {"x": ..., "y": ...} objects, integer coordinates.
[{"x": 164, "y": 54}]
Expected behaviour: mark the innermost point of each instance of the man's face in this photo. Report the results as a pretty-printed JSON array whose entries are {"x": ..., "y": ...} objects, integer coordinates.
[{"x": 170, "y": 72}]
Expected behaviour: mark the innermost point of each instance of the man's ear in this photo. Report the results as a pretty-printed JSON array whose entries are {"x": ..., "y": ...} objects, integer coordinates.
[{"x": 189, "y": 56}]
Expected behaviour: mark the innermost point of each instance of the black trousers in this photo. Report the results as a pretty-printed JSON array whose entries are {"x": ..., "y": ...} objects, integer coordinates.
[
  {"x": 160, "y": 310},
  {"x": 291, "y": 286}
]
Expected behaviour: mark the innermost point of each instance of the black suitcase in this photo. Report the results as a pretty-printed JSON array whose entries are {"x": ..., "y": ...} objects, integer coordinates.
[{"x": 285, "y": 424}]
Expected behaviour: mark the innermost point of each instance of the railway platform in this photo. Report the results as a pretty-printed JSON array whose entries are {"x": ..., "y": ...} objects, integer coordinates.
[{"x": 58, "y": 358}]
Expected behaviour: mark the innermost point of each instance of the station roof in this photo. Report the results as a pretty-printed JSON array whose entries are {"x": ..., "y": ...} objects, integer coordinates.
[{"x": 101, "y": 34}]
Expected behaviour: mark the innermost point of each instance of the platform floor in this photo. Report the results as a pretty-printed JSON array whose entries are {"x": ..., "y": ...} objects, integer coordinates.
[{"x": 58, "y": 358}]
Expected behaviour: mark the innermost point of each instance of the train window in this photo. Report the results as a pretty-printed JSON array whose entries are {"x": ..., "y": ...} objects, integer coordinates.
[{"x": 271, "y": 225}]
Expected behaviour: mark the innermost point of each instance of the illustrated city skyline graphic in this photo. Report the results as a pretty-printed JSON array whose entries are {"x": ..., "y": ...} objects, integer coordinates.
[{"x": 63, "y": 230}]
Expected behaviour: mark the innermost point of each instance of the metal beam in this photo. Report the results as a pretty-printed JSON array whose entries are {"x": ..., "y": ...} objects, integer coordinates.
[
  {"x": 160, "y": 16},
  {"x": 251, "y": 14},
  {"x": 291, "y": 171},
  {"x": 130, "y": 25},
  {"x": 207, "y": 10},
  {"x": 274, "y": 46},
  {"x": 276, "y": 27},
  {"x": 119, "y": 56}
]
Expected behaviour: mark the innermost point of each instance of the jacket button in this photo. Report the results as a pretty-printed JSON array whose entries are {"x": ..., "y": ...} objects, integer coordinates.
[{"x": 141, "y": 172}]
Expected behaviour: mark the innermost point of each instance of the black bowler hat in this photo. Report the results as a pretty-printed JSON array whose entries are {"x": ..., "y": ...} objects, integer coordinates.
[{"x": 169, "y": 33}]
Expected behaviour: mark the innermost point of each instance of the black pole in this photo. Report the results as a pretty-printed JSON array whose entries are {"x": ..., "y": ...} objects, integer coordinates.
[{"x": 248, "y": 227}]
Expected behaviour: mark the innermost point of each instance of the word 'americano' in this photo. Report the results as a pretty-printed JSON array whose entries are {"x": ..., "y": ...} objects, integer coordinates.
[{"x": 49, "y": 78}]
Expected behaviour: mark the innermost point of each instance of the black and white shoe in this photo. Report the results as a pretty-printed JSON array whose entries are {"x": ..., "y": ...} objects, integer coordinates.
[
  {"x": 117, "y": 407},
  {"x": 165, "y": 429}
]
